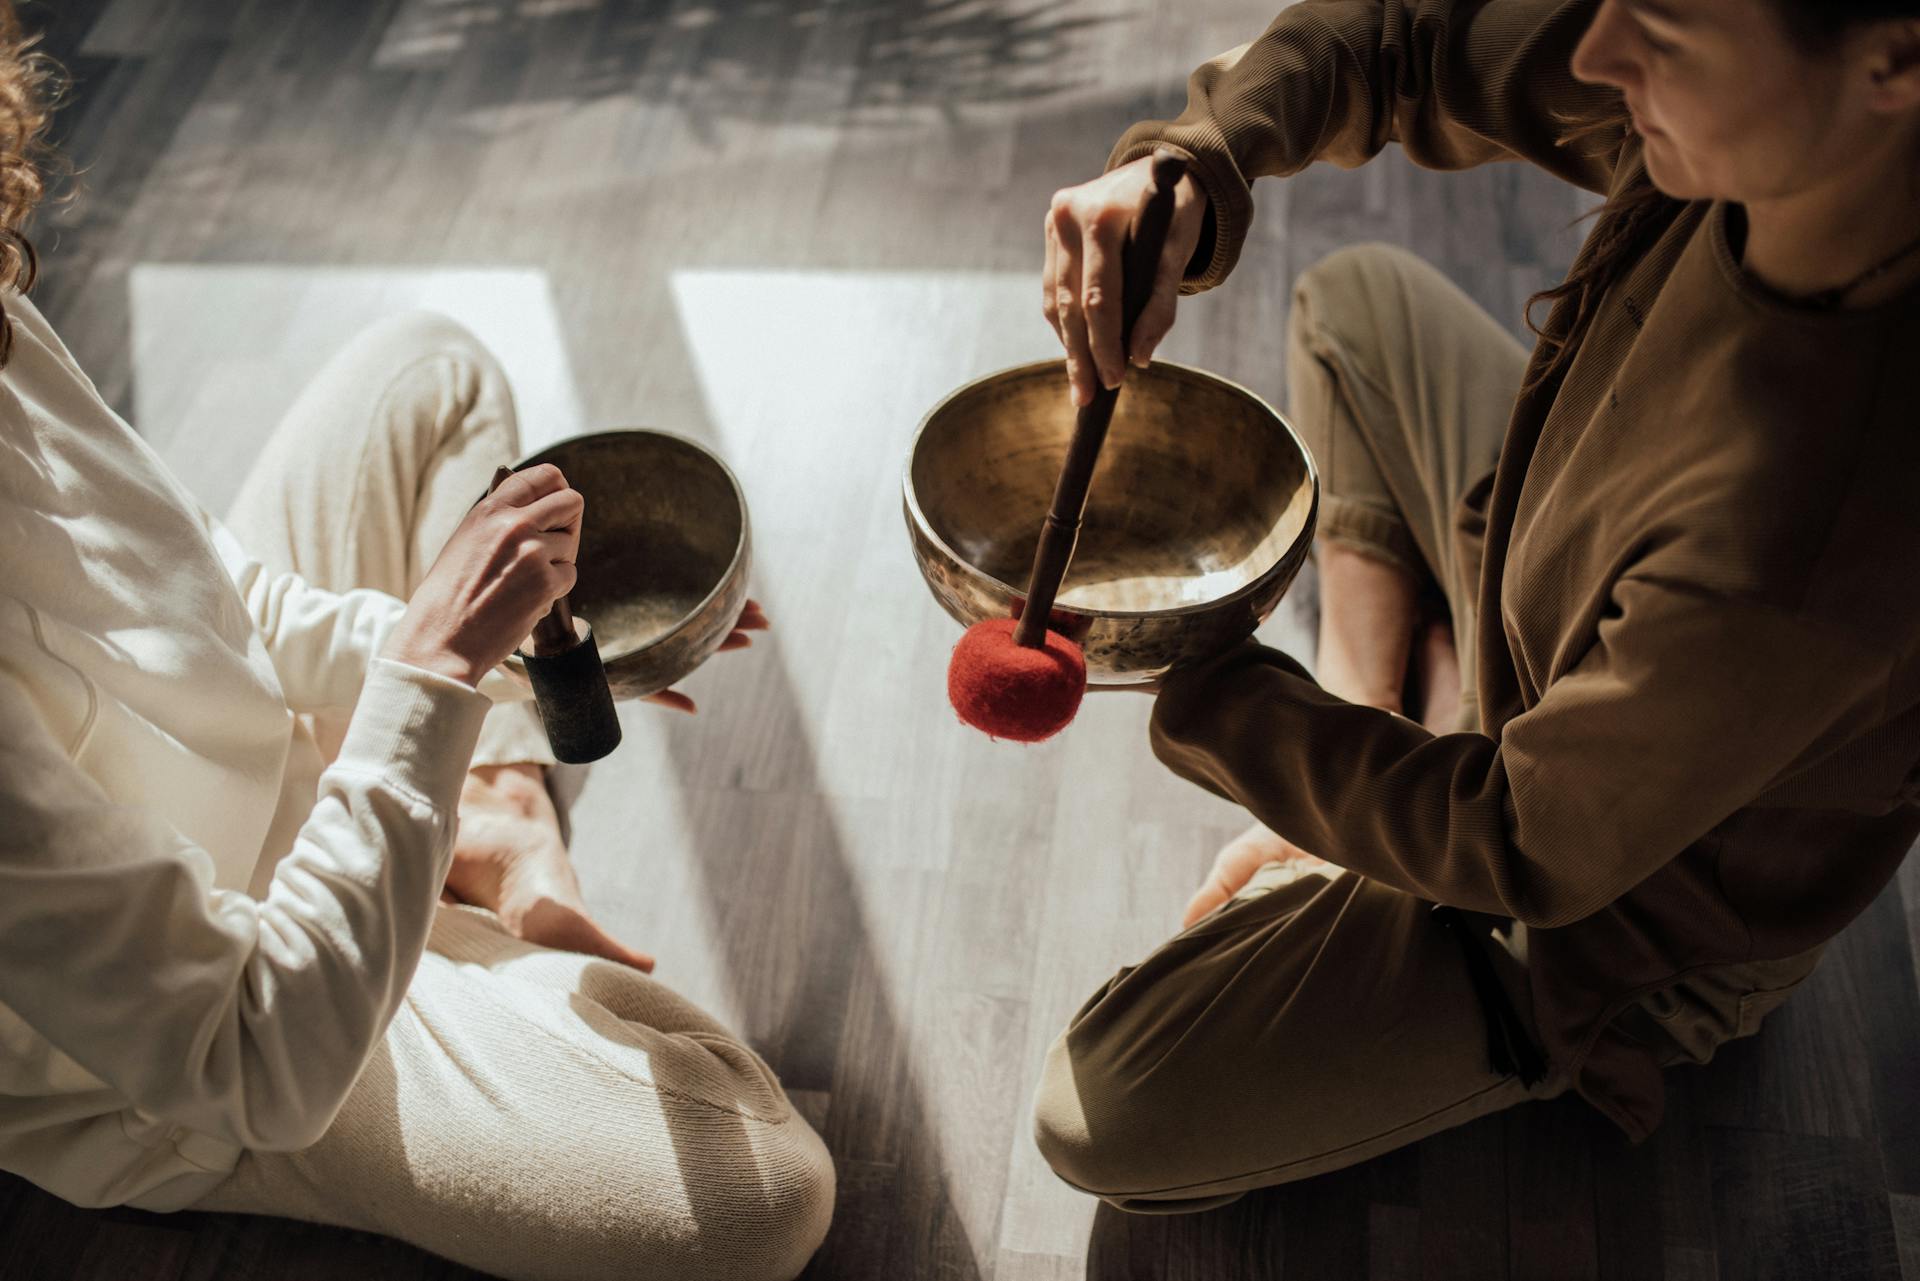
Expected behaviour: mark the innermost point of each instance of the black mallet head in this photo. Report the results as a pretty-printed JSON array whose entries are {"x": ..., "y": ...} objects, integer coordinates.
[{"x": 570, "y": 689}]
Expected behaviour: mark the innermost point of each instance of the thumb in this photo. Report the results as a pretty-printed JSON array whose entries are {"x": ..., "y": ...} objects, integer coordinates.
[
  {"x": 1183, "y": 237},
  {"x": 1156, "y": 321},
  {"x": 1205, "y": 900}
]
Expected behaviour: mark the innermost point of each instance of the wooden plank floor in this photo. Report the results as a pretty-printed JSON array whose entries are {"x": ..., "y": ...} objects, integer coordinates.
[{"x": 786, "y": 229}]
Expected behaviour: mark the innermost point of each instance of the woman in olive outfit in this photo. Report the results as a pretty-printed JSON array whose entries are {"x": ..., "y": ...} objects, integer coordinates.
[{"x": 1677, "y": 751}]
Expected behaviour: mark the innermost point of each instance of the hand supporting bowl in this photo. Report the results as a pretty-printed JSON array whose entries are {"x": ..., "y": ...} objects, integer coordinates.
[
  {"x": 664, "y": 552},
  {"x": 1202, "y": 512}
]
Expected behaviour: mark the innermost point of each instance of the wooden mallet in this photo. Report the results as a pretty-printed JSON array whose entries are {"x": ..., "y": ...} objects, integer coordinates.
[
  {"x": 1013, "y": 677},
  {"x": 569, "y": 682}
]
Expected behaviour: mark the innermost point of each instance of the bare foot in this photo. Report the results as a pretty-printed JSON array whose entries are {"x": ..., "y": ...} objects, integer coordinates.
[
  {"x": 509, "y": 858},
  {"x": 1236, "y": 864}
]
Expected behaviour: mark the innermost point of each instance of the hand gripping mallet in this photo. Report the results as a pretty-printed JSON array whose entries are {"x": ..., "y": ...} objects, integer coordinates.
[
  {"x": 569, "y": 682},
  {"x": 1015, "y": 678}
]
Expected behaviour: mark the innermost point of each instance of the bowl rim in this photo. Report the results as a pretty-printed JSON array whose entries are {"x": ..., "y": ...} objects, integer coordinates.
[
  {"x": 740, "y": 546},
  {"x": 925, "y": 528}
]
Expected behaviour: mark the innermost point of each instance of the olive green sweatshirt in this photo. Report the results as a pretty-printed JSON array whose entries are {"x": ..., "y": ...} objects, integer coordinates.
[{"x": 1698, "y": 567}]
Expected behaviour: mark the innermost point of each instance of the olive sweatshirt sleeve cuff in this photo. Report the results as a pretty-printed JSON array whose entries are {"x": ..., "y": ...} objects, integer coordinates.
[{"x": 1229, "y": 203}]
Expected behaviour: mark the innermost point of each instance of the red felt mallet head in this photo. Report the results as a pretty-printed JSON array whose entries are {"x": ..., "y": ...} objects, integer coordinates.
[
  {"x": 1018, "y": 679},
  {"x": 1025, "y": 693}
]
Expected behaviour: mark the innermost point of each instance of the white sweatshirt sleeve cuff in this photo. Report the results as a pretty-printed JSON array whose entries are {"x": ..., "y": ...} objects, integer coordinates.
[{"x": 416, "y": 729}]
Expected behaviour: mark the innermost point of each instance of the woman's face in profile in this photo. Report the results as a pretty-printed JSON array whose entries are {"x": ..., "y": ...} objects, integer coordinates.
[{"x": 1730, "y": 105}]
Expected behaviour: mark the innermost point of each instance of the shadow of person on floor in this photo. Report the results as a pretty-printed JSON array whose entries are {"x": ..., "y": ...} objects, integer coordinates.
[
  {"x": 878, "y": 62},
  {"x": 1239, "y": 1242}
]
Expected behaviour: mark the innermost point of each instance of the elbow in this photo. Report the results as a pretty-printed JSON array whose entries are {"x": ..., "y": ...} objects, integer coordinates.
[
  {"x": 256, "y": 1121},
  {"x": 267, "y": 1105},
  {"x": 1544, "y": 918},
  {"x": 286, "y": 1135},
  {"x": 291, "y": 1124},
  {"x": 1557, "y": 907}
]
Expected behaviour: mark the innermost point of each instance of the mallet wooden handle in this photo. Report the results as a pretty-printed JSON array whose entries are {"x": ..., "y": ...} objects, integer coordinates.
[
  {"x": 555, "y": 633},
  {"x": 1140, "y": 265}
]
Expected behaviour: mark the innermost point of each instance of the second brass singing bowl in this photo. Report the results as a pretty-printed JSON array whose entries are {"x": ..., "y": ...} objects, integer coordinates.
[
  {"x": 665, "y": 548},
  {"x": 1201, "y": 513}
]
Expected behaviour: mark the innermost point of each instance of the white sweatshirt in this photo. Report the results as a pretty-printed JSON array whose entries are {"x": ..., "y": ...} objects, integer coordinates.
[{"x": 157, "y": 1017}]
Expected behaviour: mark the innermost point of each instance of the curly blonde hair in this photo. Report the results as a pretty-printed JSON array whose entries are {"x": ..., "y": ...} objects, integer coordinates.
[{"x": 28, "y": 87}]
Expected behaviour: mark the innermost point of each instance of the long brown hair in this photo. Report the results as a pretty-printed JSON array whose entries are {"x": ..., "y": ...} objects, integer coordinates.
[
  {"x": 1626, "y": 227},
  {"x": 28, "y": 87},
  {"x": 1635, "y": 215}
]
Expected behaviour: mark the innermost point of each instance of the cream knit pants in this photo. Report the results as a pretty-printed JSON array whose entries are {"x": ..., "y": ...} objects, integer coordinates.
[{"x": 532, "y": 1113}]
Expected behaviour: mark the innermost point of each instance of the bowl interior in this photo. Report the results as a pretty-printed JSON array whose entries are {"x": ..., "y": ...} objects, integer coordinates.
[
  {"x": 663, "y": 529},
  {"x": 1201, "y": 487}
]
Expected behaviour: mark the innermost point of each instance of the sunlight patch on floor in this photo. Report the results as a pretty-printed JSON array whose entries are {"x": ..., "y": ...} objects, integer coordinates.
[{"x": 220, "y": 352}]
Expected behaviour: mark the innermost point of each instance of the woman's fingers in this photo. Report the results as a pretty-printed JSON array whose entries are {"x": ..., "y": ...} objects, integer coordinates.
[
  {"x": 752, "y": 619},
  {"x": 1101, "y": 299},
  {"x": 1241, "y": 859},
  {"x": 530, "y": 485},
  {"x": 1223, "y": 881},
  {"x": 1207, "y": 898},
  {"x": 557, "y": 550},
  {"x": 1067, "y": 305},
  {"x": 1083, "y": 286},
  {"x": 562, "y": 510},
  {"x": 1232, "y": 868},
  {"x": 1050, "y": 277},
  {"x": 1183, "y": 237}
]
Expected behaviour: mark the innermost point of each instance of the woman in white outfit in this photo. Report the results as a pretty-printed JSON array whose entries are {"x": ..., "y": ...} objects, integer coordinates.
[{"x": 232, "y": 766}]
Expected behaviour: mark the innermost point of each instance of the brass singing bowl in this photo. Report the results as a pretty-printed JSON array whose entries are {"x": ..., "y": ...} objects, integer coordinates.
[
  {"x": 664, "y": 551},
  {"x": 1201, "y": 512}
]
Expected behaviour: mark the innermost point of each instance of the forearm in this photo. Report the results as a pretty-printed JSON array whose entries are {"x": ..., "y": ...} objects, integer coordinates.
[
  {"x": 1677, "y": 715},
  {"x": 1358, "y": 786},
  {"x": 240, "y": 1019},
  {"x": 321, "y": 642},
  {"x": 1456, "y": 83}
]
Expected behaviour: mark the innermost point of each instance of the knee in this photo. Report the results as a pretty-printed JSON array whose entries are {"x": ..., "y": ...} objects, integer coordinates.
[
  {"x": 452, "y": 387},
  {"x": 430, "y": 358},
  {"x": 1099, "y": 1155},
  {"x": 421, "y": 332},
  {"x": 1341, "y": 296},
  {"x": 765, "y": 1214},
  {"x": 725, "y": 1213},
  {"x": 1353, "y": 272},
  {"x": 797, "y": 1194}
]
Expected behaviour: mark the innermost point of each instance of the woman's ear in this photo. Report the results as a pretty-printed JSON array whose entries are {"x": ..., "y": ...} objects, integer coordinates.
[{"x": 1893, "y": 62}]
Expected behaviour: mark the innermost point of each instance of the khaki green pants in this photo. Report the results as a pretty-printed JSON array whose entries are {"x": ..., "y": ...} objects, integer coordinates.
[
  {"x": 1322, "y": 1018},
  {"x": 1402, "y": 388},
  {"x": 1316, "y": 1020}
]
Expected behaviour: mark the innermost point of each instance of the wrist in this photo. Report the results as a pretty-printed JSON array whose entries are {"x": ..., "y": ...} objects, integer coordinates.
[{"x": 433, "y": 658}]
